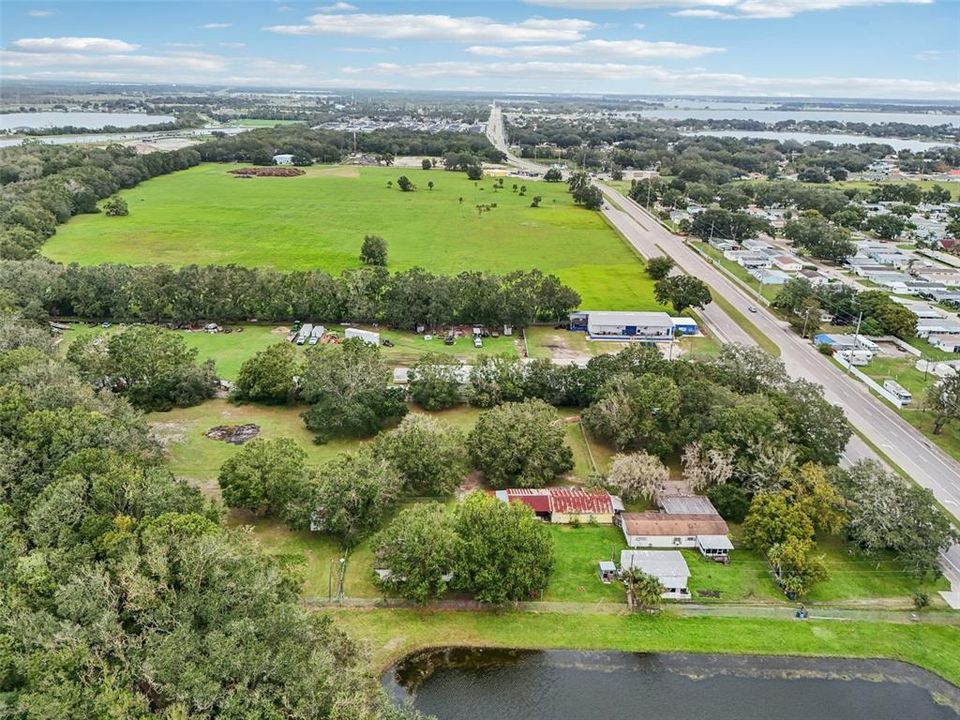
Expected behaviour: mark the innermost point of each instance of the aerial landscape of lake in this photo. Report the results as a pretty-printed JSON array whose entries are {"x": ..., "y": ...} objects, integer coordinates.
[
  {"x": 473, "y": 683},
  {"x": 760, "y": 113},
  {"x": 835, "y": 138},
  {"x": 90, "y": 120}
]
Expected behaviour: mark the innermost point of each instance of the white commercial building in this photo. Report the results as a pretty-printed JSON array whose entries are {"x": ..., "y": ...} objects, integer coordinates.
[{"x": 623, "y": 325}]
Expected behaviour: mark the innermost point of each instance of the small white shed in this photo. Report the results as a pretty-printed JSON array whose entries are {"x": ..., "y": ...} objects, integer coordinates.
[{"x": 368, "y": 336}]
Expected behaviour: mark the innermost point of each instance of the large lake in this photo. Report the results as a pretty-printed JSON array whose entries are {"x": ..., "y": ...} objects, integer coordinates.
[
  {"x": 835, "y": 138},
  {"x": 89, "y": 120},
  {"x": 477, "y": 684},
  {"x": 762, "y": 114}
]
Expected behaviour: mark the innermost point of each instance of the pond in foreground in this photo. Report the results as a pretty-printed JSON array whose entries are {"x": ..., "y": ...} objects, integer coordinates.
[{"x": 468, "y": 684}]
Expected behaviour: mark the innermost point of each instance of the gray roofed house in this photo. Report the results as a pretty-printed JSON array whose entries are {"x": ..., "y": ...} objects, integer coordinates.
[
  {"x": 686, "y": 505},
  {"x": 668, "y": 566}
]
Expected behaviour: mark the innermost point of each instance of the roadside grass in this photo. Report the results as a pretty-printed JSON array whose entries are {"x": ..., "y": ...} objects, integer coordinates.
[
  {"x": 769, "y": 292},
  {"x": 855, "y": 577},
  {"x": 903, "y": 371},
  {"x": 318, "y": 220},
  {"x": 765, "y": 343},
  {"x": 391, "y": 634}
]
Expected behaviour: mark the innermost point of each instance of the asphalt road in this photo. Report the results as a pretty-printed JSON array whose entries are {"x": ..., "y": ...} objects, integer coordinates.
[
  {"x": 904, "y": 445},
  {"x": 908, "y": 448}
]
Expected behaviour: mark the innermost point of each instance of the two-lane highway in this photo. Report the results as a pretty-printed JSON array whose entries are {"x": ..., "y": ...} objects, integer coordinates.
[{"x": 899, "y": 441}]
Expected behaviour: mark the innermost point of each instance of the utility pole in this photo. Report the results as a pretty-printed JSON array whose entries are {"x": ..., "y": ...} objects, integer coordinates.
[
  {"x": 806, "y": 319},
  {"x": 856, "y": 342}
]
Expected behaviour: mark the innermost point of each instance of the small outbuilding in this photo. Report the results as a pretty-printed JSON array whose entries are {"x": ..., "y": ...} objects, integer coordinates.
[
  {"x": 607, "y": 572},
  {"x": 667, "y": 566},
  {"x": 368, "y": 336},
  {"x": 283, "y": 159}
]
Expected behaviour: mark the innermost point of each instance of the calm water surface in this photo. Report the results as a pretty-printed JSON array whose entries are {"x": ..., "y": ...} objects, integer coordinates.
[
  {"x": 91, "y": 120},
  {"x": 474, "y": 684},
  {"x": 835, "y": 138},
  {"x": 761, "y": 114}
]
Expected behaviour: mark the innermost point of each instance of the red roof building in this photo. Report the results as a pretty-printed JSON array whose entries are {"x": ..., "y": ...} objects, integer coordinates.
[{"x": 563, "y": 504}]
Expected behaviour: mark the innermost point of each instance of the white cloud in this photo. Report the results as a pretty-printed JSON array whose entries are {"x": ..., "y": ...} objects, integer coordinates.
[
  {"x": 736, "y": 9},
  {"x": 337, "y": 7},
  {"x": 936, "y": 54},
  {"x": 201, "y": 62},
  {"x": 708, "y": 14},
  {"x": 232, "y": 44},
  {"x": 654, "y": 78},
  {"x": 601, "y": 50},
  {"x": 74, "y": 44},
  {"x": 439, "y": 27},
  {"x": 40, "y": 13},
  {"x": 181, "y": 67},
  {"x": 182, "y": 45},
  {"x": 216, "y": 26}
]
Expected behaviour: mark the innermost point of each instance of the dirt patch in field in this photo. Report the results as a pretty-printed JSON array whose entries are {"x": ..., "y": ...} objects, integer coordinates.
[
  {"x": 561, "y": 352},
  {"x": 168, "y": 433},
  {"x": 267, "y": 172},
  {"x": 280, "y": 330},
  {"x": 233, "y": 434}
]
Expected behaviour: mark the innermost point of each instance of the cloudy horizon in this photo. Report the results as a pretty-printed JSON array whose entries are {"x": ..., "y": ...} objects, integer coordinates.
[{"x": 856, "y": 49}]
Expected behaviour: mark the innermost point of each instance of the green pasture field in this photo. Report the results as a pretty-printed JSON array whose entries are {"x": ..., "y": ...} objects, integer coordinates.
[{"x": 206, "y": 215}]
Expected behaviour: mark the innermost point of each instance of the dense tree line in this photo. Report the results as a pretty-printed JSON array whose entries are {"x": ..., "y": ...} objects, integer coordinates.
[
  {"x": 876, "y": 312},
  {"x": 230, "y": 293},
  {"x": 260, "y": 145},
  {"x": 45, "y": 185},
  {"x": 121, "y": 594}
]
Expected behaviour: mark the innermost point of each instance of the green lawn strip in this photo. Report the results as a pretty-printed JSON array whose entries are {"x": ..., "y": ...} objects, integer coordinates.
[
  {"x": 740, "y": 274},
  {"x": 917, "y": 382},
  {"x": 576, "y": 552},
  {"x": 318, "y": 220},
  {"x": 391, "y": 634},
  {"x": 748, "y": 327}
]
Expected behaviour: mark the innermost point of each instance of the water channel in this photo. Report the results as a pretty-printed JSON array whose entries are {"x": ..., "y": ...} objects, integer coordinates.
[{"x": 475, "y": 684}]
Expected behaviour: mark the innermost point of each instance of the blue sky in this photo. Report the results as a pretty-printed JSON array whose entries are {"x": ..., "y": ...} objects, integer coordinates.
[{"x": 827, "y": 48}]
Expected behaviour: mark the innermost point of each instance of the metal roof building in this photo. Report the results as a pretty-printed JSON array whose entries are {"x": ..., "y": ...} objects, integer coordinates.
[{"x": 668, "y": 566}]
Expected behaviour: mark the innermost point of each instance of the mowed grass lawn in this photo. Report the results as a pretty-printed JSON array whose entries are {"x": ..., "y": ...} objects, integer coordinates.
[
  {"x": 206, "y": 215},
  {"x": 197, "y": 458}
]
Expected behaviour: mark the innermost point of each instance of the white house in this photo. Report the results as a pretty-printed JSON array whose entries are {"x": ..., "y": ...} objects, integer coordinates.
[
  {"x": 283, "y": 159},
  {"x": 947, "y": 343},
  {"x": 931, "y": 327},
  {"x": 787, "y": 263},
  {"x": 706, "y": 533},
  {"x": 815, "y": 278},
  {"x": 668, "y": 567}
]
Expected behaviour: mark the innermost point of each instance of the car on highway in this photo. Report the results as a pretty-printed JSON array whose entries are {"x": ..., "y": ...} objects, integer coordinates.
[{"x": 752, "y": 308}]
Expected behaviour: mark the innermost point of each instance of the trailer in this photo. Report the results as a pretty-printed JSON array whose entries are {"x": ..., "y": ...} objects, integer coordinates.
[
  {"x": 316, "y": 334},
  {"x": 368, "y": 336},
  {"x": 304, "y": 333}
]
